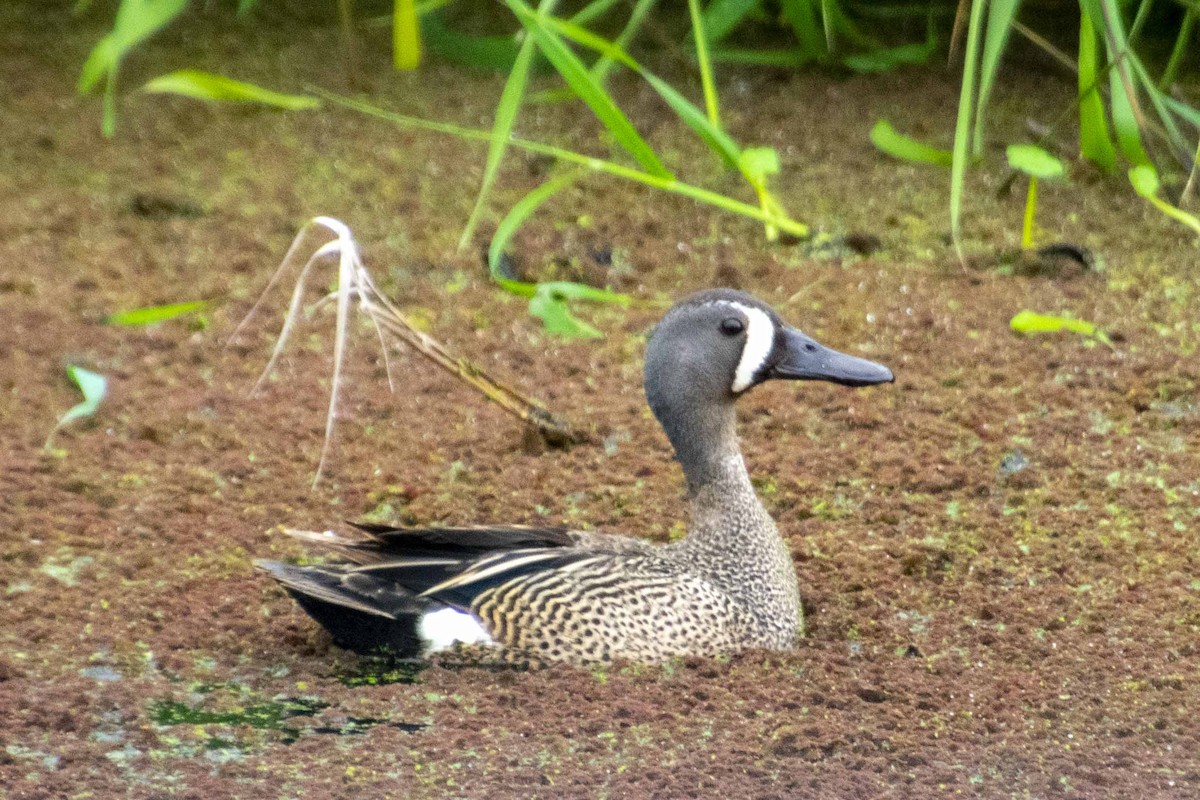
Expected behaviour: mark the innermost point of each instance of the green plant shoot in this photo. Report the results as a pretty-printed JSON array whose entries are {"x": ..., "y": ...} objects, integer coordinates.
[
  {"x": 1038, "y": 165},
  {"x": 1145, "y": 182},
  {"x": 1031, "y": 322},
  {"x": 153, "y": 314},
  {"x": 200, "y": 85},
  {"x": 888, "y": 140},
  {"x": 93, "y": 386},
  {"x": 136, "y": 21}
]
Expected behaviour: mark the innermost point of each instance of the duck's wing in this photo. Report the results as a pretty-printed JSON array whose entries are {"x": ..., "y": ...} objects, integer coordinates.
[{"x": 383, "y": 599}]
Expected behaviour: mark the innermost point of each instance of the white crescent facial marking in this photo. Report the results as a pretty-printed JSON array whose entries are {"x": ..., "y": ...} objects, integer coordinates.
[
  {"x": 760, "y": 338},
  {"x": 446, "y": 627}
]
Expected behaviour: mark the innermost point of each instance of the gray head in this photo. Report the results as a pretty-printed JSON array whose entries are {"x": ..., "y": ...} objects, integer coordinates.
[{"x": 714, "y": 346}]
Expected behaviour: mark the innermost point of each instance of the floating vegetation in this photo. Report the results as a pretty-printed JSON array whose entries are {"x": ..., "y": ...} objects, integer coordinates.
[
  {"x": 93, "y": 386},
  {"x": 381, "y": 672}
]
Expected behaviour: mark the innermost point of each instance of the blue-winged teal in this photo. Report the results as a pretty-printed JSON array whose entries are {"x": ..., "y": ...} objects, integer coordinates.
[{"x": 532, "y": 594}]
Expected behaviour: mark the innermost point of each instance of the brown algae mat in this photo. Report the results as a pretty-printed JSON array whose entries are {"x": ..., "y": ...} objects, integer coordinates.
[{"x": 998, "y": 553}]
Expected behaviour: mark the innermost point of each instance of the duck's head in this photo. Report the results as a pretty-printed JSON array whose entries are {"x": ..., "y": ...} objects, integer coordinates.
[{"x": 714, "y": 346}]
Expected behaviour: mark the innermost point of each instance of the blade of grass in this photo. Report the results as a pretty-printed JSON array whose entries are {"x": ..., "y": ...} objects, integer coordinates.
[
  {"x": 1095, "y": 141},
  {"x": 152, "y": 314},
  {"x": 1145, "y": 182},
  {"x": 502, "y": 128},
  {"x": 1123, "y": 100},
  {"x": 1179, "y": 50},
  {"x": 752, "y": 168},
  {"x": 905, "y": 148},
  {"x": 1001, "y": 14},
  {"x": 93, "y": 386},
  {"x": 721, "y": 17},
  {"x": 803, "y": 16},
  {"x": 637, "y": 16},
  {"x": 1029, "y": 322},
  {"x": 135, "y": 22},
  {"x": 716, "y": 139},
  {"x": 406, "y": 35},
  {"x": 200, "y": 85},
  {"x": 513, "y": 221},
  {"x": 962, "y": 129},
  {"x": 498, "y": 53},
  {"x": 585, "y": 86},
  {"x": 671, "y": 185},
  {"x": 706, "y": 73}
]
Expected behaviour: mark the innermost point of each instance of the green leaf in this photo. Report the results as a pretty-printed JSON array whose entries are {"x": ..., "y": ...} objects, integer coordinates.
[
  {"x": 406, "y": 35},
  {"x": 905, "y": 148},
  {"x": 152, "y": 314},
  {"x": 717, "y": 140},
  {"x": 1030, "y": 322},
  {"x": 1000, "y": 17},
  {"x": 758, "y": 163},
  {"x": 1145, "y": 180},
  {"x": 1033, "y": 160},
  {"x": 502, "y": 128},
  {"x": 722, "y": 16},
  {"x": 556, "y": 316},
  {"x": 93, "y": 386},
  {"x": 206, "y": 86},
  {"x": 1095, "y": 141},
  {"x": 497, "y": 53},
  {"x": 581, "y": 81},
  {"x": 513, "y": 221},
  {"x": 136, "y": 21}
]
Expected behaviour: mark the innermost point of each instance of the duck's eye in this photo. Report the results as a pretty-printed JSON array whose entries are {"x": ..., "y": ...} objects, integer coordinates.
[{"x": 732, "y": 326}]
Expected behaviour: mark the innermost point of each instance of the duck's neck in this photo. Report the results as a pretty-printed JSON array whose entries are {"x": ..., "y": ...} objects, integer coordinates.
[{"x": 706, "y": 445}]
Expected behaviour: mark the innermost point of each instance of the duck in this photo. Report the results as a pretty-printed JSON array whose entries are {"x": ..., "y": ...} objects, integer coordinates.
[{"x": 518, "y": 594}]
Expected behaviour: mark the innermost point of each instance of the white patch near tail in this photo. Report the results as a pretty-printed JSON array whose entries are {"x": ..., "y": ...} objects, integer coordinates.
[
  {"x": 446, "y": 627},
  {"x": 760, "y": 339}
]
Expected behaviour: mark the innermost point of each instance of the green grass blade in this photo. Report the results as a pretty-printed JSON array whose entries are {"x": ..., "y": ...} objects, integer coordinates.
[
  {"x": 548, "y": 301},
  {"x": 406, "y": 35},
  {"x": 641, "y": 9},
  {"x": 706, "y": 72},
  {"x": 593, "y": 11},
  {"x": 1171, "y": 71},
  {"x": 200, "y": 85},
  {"x": 93, "y": 386},
  {"x": 588, "y": 89},
  {"x": 1095, "y": 141},
  {"x": 496, "y": 53},
  {"x": 666, "y": 184},
  {"x": 716, "y": 139},
  {"x": 905, "y": 148},
  {"x": 962, "y": 128},
  {"x": 1145, "y": 182},
  {"x": 506, "y": 119},
  {"x": 804, "y": 17},
  {"x": 152, "y": 314},
  {"x": 1030, "y": 322},
  {"x": 721, "y": 17},
  {"x": 1123, "y": 101},
  {"x": 513, "y": 221},
  {"x": 1001, "y": 13},
  {"x": 136, "y": 21}
]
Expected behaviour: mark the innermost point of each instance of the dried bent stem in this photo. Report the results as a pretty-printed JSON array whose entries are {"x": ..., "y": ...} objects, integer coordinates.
[{"x": 354, "y": 282}]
